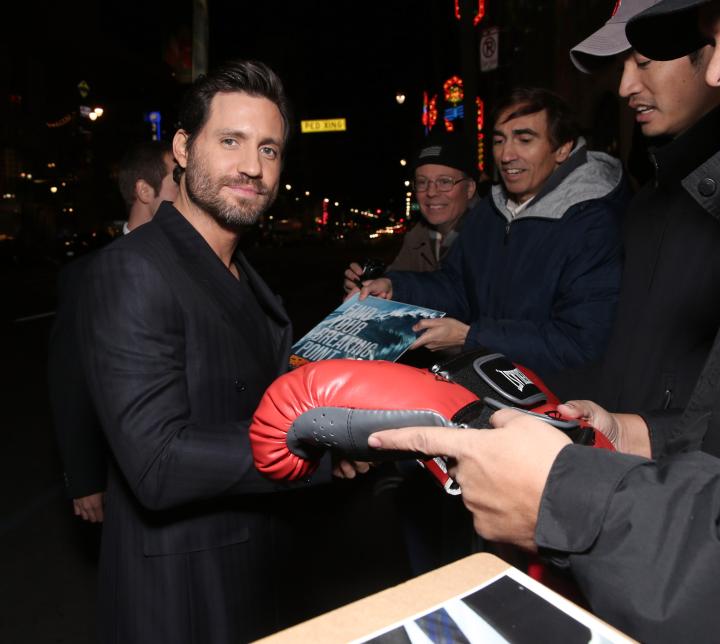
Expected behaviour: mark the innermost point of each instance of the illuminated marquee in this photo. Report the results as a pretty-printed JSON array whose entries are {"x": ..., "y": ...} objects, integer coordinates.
[
  {"x": 479, "y": 14},
  {"x": 430, "y": 113}
]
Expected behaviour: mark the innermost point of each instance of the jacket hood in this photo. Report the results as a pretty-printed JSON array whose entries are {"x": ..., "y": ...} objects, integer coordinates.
[{"x": 583, "y": 177}]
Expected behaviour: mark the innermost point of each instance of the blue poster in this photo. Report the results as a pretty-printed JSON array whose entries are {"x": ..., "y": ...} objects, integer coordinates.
[{"x": 374, "y": 329}]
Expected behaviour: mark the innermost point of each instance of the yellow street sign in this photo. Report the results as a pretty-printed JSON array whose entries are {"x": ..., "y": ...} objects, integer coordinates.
[{"x": 324, "y": 125}]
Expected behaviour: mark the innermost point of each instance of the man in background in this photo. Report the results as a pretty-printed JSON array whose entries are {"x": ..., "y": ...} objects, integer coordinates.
[
  {"x": 145, "y": 181},
  {"x": 445, "y": 189}
]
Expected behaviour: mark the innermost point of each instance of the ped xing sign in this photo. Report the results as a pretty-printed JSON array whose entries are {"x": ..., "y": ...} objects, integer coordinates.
[{"x": 323, "y": 125}]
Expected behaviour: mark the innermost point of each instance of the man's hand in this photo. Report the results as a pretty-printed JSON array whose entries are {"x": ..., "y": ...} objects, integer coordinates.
[
  {"x": 353, "y": 275},
  {"x": 502, "y": 472},
  {"x": 381, "y": 287},
  {"x": 350, "y": 469},
  {"x": 628, "y": 433},
  {"x": 440, "y": 333},
  {"x": 90, "y": 507}
]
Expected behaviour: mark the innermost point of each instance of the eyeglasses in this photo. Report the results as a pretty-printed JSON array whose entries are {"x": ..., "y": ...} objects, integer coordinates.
[{"x": 442, "y": 184}]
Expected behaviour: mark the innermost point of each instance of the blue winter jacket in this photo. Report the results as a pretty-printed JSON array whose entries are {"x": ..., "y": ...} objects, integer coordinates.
[{"x": 541, "y": 288}]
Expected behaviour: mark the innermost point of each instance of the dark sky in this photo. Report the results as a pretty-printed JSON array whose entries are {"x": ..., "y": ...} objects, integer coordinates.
[{"x": 337, "y": 59}]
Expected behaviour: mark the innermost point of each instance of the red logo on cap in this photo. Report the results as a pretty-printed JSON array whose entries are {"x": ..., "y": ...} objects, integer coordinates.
[{"x": 617, "y": 7}]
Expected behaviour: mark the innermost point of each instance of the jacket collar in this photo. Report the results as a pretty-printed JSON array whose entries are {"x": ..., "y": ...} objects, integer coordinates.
[
  {"x": 577, "y": 157},
  {"x": 454, "y": 230},
  {"x": 205, "y": 266},
  {"x": 678, "y": 158}
]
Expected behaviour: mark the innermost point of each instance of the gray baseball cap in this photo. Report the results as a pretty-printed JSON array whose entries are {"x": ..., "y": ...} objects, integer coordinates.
[
  {"x": 610, "y": 39},
  {"x": 668, "y": 30}
]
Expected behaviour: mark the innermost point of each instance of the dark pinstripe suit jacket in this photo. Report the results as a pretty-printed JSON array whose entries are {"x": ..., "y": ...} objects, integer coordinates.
[
  {"x": 178, "y": 354},
  {"x": 77, "y": 429}
]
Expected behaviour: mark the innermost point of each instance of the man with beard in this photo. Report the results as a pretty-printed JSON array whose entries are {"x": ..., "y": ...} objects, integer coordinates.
[{"x": 182, "y": 338}]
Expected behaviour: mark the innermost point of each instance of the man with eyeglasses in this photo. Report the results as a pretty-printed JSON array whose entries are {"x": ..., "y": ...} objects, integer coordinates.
[
  {"x": 444, "y": 184},
  {"x": 535, "y": 272}
]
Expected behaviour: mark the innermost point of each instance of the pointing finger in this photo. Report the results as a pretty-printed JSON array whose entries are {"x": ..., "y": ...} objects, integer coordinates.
[{"x": 426, "y": 440}]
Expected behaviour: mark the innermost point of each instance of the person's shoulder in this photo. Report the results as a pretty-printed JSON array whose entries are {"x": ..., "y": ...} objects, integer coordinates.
[
  {"x": 140, "y": 251},
  {"x": 145, "y": 240},
  {"x": 597, "y": 188},
  {"x": 72, "y": 277},
  {"x": 480, "y": 210},
  {"x": 600, "y": 177},
  {"x": 74, "y": 270},
  {"x": 418, "y": 228}
]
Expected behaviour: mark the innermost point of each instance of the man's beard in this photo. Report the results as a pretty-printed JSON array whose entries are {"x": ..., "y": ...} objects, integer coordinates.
[{"x": 205, "y": 193}]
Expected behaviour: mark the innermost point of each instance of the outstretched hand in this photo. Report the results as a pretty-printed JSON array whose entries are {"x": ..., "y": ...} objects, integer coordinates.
[
  {"x": 628, "y": 433},
  {"x": 344, "y": 469},
  {"x": 440, "y": 333},
  {"x": 502, "y": 472}
]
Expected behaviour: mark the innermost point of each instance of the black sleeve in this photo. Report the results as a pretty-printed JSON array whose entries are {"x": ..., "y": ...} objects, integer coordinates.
[
  {"x": 77, "y": 428},
  {"x": 135, "y": 359},
  {"x": 641, "y": 538},
  {"x": 662, "y": 425}
]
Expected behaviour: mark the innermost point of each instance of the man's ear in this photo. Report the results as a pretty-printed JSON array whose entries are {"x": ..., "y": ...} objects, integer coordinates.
[
  {"x": 563, "y": 152},
  {"x": 180, "y": 148},
  {"x": 144, "y": 192},
  {"x": 471, "y": 188}
]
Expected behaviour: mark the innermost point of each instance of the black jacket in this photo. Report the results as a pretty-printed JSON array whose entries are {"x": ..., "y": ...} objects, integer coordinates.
[
  {"x": 177, "y": 354},
  {"x": 669, "y": 309},
  {"x": 697, "y": 427},
  {"x": 77, "y": 428},
  {"x": 642, "y": 539}
]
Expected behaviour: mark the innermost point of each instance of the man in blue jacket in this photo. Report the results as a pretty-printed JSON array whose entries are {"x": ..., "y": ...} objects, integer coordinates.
[{"x": 535, "y": 272}]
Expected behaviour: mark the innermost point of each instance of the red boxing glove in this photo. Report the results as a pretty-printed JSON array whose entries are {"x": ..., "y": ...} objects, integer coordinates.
[{"x": 337, "y": 404}]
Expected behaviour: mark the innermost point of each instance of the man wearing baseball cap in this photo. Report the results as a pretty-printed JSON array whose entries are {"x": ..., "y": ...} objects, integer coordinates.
[
  {"x": 446, "y": 157},
  {"x": 668, "y": 310},
  {"x": 667, "y": 29},
  {"x": 672, "y": 29}
]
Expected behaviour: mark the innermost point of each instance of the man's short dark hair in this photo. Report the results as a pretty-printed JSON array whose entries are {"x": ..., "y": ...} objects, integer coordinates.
[
  {"x": 562, "y": 126},
  {"x": 144, "y": 161},
  {"x": 248, "y": 76}
]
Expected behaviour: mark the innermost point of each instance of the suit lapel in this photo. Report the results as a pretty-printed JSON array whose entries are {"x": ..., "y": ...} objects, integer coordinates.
[{"x": 204, "y": 268}]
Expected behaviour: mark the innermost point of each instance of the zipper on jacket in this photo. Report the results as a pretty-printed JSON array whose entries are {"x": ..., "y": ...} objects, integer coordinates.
[
  {"x": 507, "y": 233},
  {"x": 668, "y": 393},
  {"x": 656, "y": 168},
  {"x": 667, "y": 399}
]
